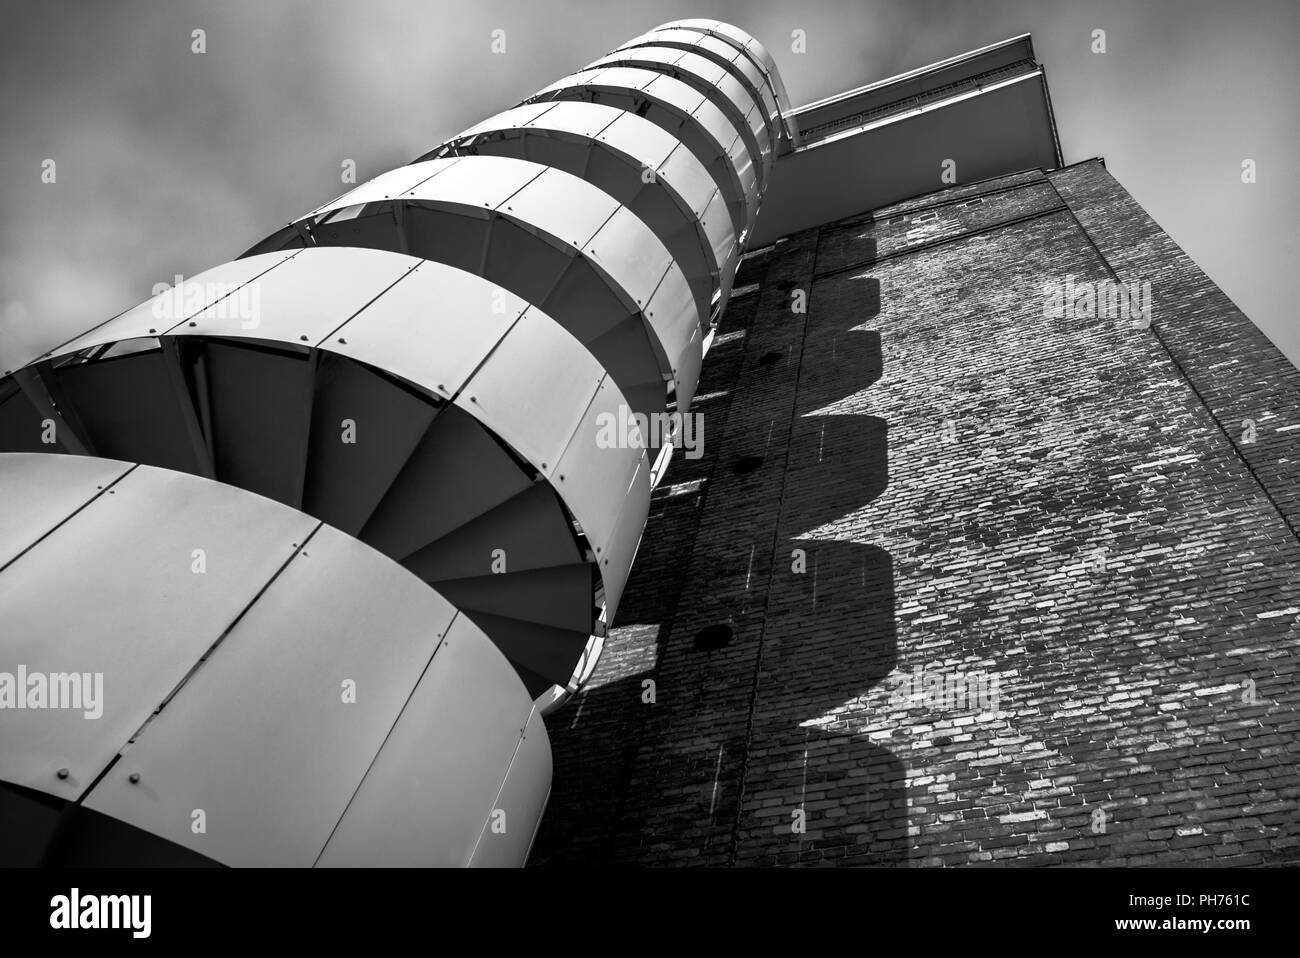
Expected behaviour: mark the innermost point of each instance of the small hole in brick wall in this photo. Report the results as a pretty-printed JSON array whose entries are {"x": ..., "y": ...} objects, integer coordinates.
[
  {"x": 767, "y": 359},
  {"x": 746, "y": 464},
  {"x": 942, "y": 740},
  {"x": 1106, "y": 377},
  {"x": 712, "y": 637}
]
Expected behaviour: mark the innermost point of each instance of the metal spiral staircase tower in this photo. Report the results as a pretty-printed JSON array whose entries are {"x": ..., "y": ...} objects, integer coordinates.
[{"x": 363, "y": 458}]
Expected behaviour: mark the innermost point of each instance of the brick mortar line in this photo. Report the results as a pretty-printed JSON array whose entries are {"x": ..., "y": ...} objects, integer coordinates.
[
  {"x": 1182, "y": 372},
  {"x": 734, "y": 845},
  {"x": 935, "y": 243},
  {"x": 870, "y": 217}
]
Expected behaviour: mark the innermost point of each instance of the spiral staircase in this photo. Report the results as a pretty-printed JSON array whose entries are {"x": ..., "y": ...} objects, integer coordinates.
[{"x": 370, "y": 451}]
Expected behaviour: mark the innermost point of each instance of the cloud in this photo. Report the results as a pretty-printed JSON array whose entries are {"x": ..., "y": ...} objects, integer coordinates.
[{"x": 170, "y": 161}]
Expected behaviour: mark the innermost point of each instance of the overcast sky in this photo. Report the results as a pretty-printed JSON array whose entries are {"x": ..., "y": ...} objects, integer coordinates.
[{"x": 169, "y": 161}]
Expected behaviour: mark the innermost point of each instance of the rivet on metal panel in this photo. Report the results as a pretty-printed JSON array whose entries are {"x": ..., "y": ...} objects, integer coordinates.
[
  {"x": 343, "y": 341},
  {"x": 62, "y": 773},
  {"x": 304, "y": 338},
  {"x": 134, "y": 778},
  {"x": 193, "y": 324}
]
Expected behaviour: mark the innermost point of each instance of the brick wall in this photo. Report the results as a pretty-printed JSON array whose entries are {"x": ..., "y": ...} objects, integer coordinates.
[{"x": 922, "y": 477}]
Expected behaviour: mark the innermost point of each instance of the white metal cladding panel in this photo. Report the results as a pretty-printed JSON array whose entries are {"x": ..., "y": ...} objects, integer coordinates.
[
  {"x": 716, "y": 222},
  {"x": 720, "y": 130},
  {"x": 588, "y": 120},
  {"x": 673, "y": 313},
  {"x": 169, "y": 309},
  {"x": 632, "y": 145},
  {"x": 534, "y": 388},
  {"x": 626, "y": 53},
  {"x": 742, "y": 109},
  {"x": 629, "y": 253},
  {"x": 748, "y": 181},
  {"x": 639, "y": 142},
  {"x": 686, "y": 183},
  {"x": 741, "y": 41},
  {"x": 747, "y": 116},
  {"x": 599, "y": 468},
  {"x": 114, "y": 591},
  {"x": 736, "y": 37},
  {"x": 718, "y": 124},
  {"x": 669, "y": 307},
  {"x": 703, "y": 204},
  {"x": 436, "y": 780},
  {"x": 260, "y": 737},
  {"x": 581, "y": 78},
  {"x": 507, "y": 837},
  {"x": 680, "y": 96},
  {"x": 684, "y": 173},
  {"x": 385, "y": 186},
  {"x": 478, "y": 182},
  {"x": 40, "y": 490},
  {"x": 507, "y": 120},
  {"x": 688, "y": 370},
  {"x": 650, "y": 146},
  {"x": 707, "y": 72},
  {"x": 715, "y": 133},
  {"x": 753, "y": 116},
  {"x": 754, "y": 78},
  {"x": 432, "y": 329},
  {"x": 558, "y": 204},
  {"x": 656, "y": 206},
  {"x": 626, "y": 538},
  {"x": 742, "y": 101},
  {"x": 754, "y": 48},
  {"x": 308, "y": 297},
  {"x": 710, "y": 133},
  {"x": 612, "y": 78},
  {"x": 746, "y": 51}
]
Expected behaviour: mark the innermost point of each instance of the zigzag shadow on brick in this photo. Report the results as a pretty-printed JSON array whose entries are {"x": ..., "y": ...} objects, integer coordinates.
[
  {"x": 829, "y": 634},
  {"x": 716, "y": 771}
]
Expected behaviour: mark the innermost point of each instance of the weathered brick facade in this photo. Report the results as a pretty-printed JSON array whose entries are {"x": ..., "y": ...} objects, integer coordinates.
[{"x": 1099, "y": 517}]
